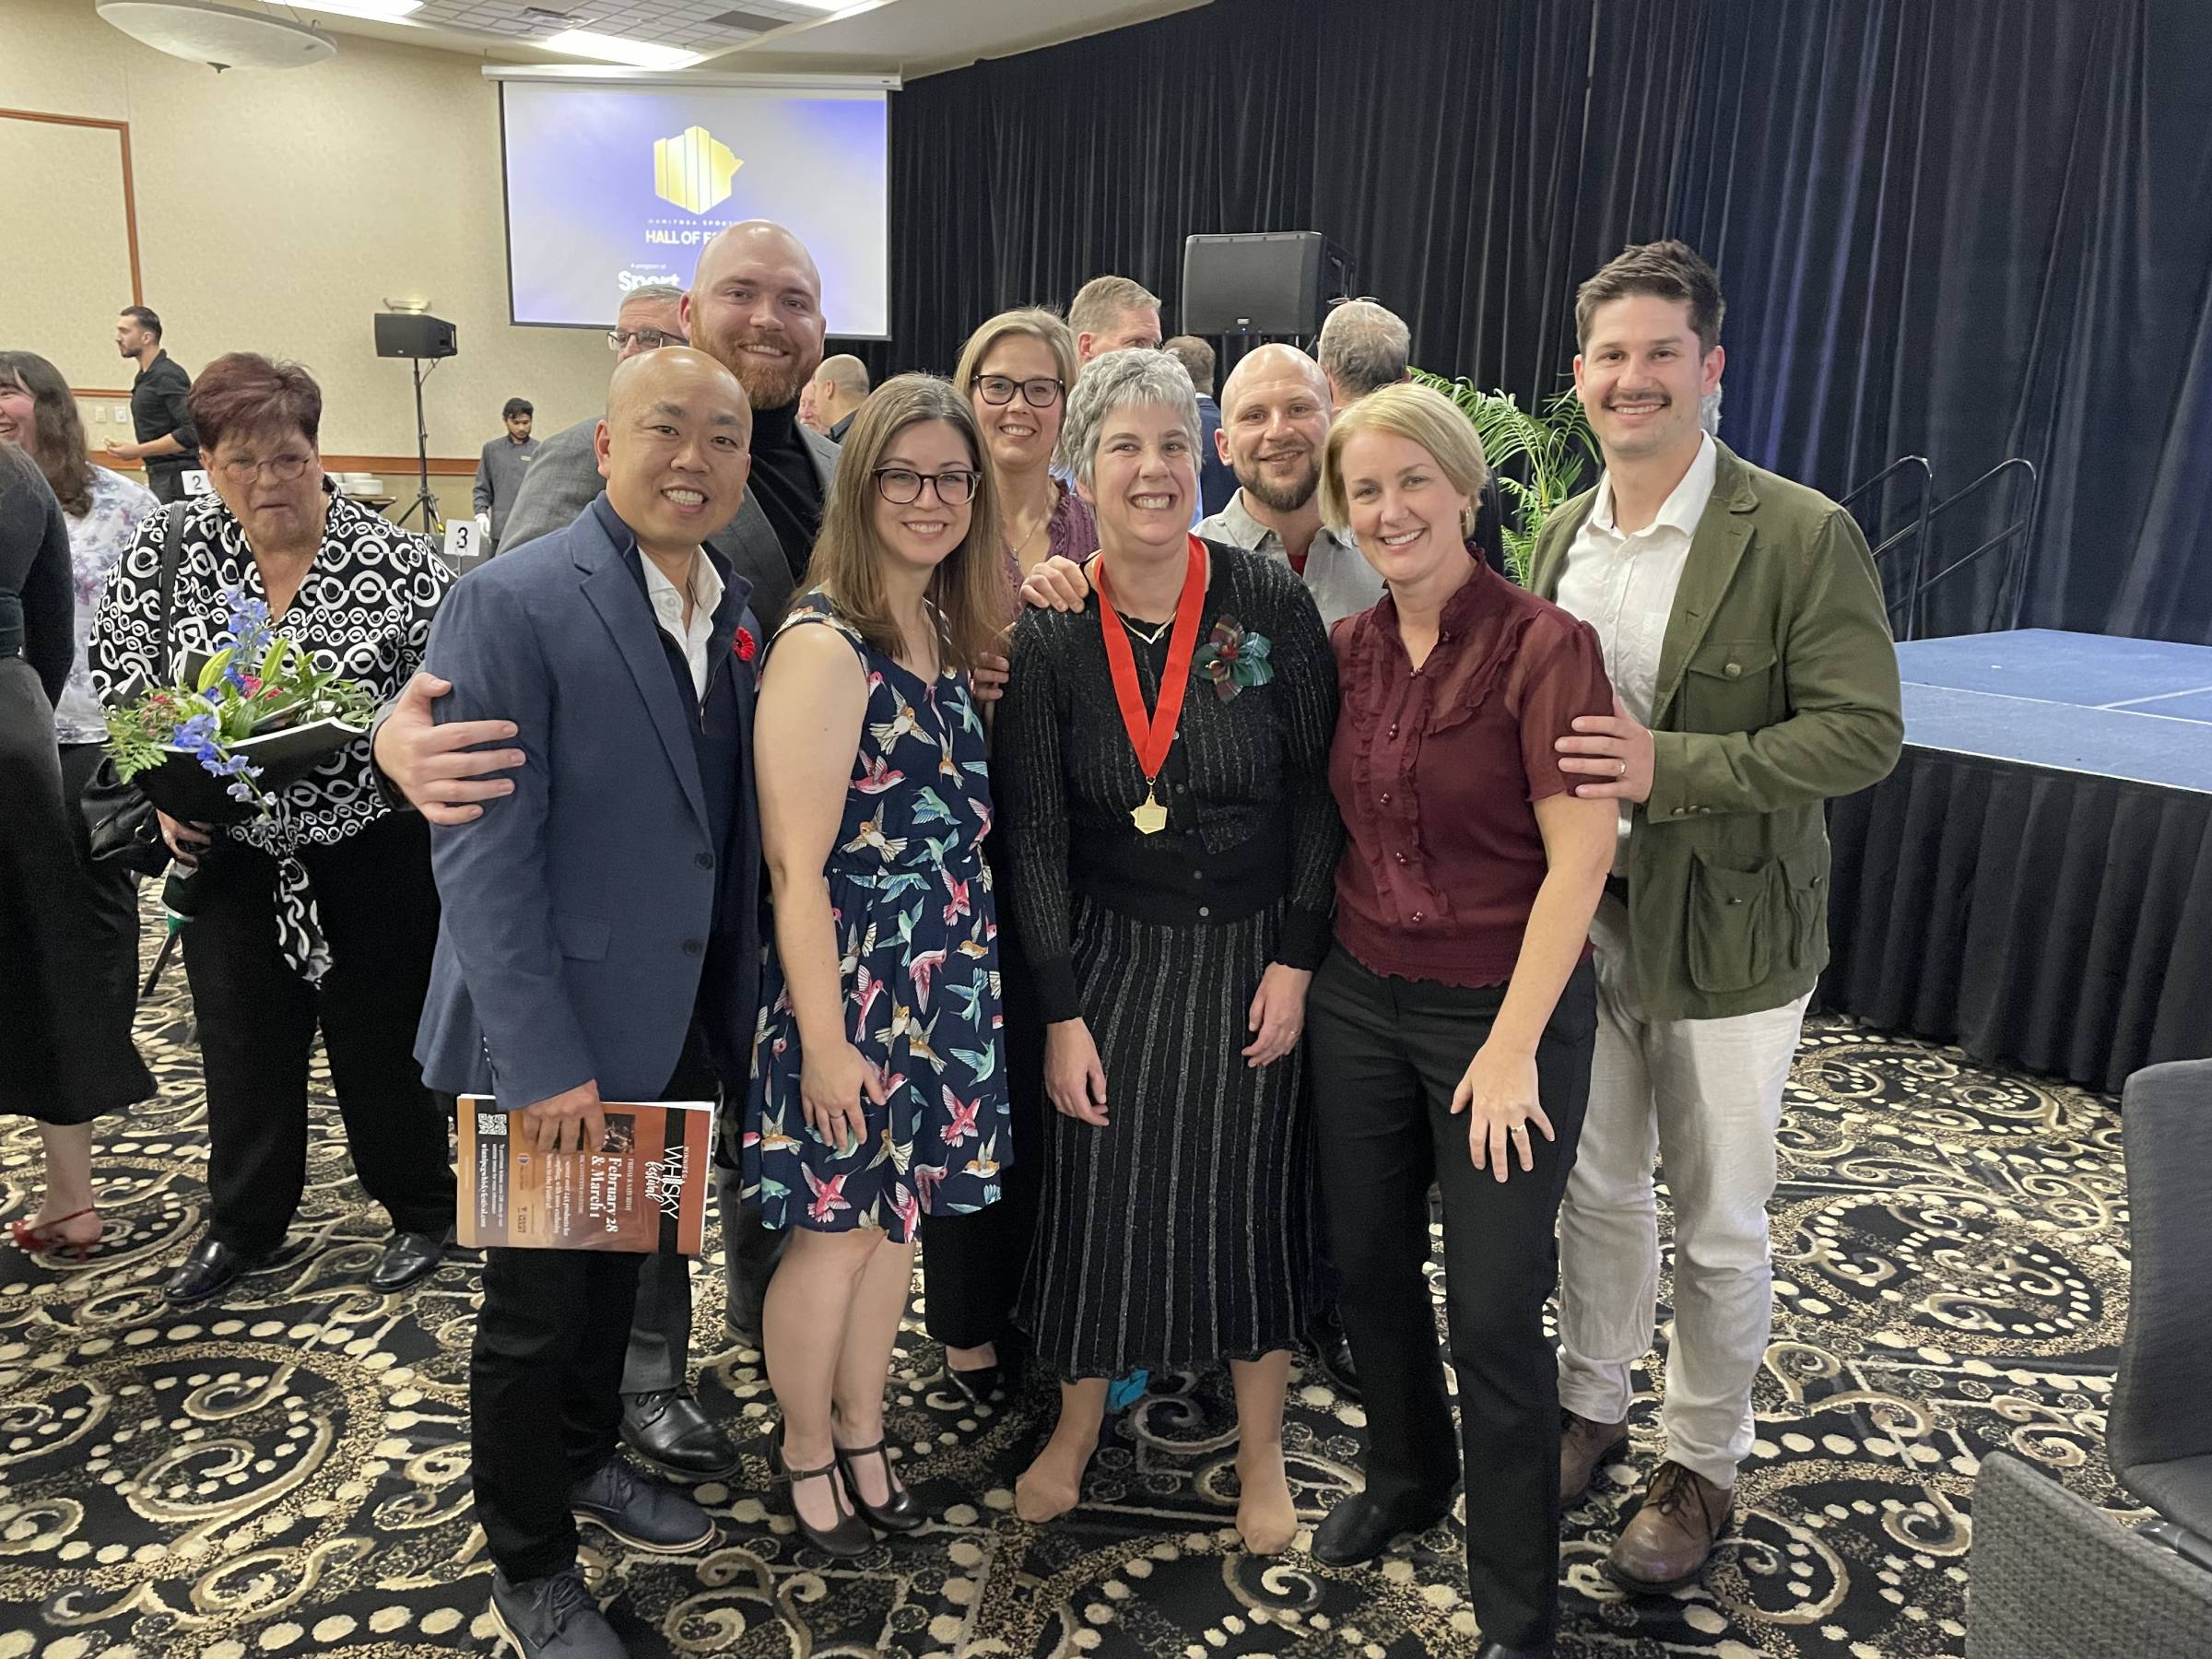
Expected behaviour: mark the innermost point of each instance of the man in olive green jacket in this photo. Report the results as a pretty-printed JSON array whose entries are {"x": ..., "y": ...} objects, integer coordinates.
[{"x": 1754, "y": 679}]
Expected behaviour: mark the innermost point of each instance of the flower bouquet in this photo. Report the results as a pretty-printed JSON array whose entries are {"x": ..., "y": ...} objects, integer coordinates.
[{"x": 243, "y": 724}]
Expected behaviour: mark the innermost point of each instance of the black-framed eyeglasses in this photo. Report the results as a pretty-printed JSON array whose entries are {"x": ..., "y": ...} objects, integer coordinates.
[
  {"x": 1038, "y": 394},
  {"x": 652, "y": 339},
  {"x": 901, "y": 485}
]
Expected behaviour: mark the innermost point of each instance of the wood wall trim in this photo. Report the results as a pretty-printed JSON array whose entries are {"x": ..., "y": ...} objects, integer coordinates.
[
  {"x": 391, "y": 467},
  {"x": 99, "y": 392},
  {"x": 122, "y": 129}
]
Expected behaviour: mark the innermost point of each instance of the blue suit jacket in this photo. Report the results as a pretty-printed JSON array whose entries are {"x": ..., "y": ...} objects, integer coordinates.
[{"x": 577, "y": 909}]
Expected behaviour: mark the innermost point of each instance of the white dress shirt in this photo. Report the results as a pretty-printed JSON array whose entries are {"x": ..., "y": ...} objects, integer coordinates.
[
  {"x": 668, "y": 608},
  {"x": 1624, "y": 587}
]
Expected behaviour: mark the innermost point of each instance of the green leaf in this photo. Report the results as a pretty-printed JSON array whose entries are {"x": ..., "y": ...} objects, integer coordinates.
[{"x": 212, "y": 673}]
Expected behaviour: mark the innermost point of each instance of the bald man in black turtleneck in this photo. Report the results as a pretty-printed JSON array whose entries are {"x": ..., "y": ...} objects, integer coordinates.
[{"x": 755, "y": 305}]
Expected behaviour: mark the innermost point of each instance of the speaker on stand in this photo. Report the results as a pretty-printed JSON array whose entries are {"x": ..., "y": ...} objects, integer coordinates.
[{"x": 419, "y": 338}]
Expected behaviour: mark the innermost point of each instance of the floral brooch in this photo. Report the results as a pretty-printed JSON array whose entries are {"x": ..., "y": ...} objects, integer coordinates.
[{"x": 1234, "y": 659}]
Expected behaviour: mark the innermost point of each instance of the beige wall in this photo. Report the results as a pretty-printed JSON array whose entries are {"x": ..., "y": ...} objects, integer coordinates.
[{"x": 276, "y": 210}]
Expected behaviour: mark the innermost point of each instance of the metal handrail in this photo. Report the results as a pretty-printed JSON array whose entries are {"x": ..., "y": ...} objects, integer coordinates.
[
  {"x": 1917, "y": 531},
  {"x": 2016, "y": 568}
]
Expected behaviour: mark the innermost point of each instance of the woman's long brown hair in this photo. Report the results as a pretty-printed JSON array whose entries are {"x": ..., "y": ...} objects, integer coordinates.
[
  {"x": 968, "y": 589},
  {"x": 58, "y": 430}
]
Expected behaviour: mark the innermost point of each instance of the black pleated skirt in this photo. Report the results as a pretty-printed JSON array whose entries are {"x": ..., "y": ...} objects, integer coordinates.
[{"x": 1181, "y": 1234}]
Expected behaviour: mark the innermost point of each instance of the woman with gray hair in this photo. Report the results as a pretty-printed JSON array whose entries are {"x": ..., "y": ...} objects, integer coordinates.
[{"x": 1176, "y": 729}]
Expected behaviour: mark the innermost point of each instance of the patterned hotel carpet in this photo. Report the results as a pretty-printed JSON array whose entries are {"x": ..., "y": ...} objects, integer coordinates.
[{"x": 289, "y": 1472}]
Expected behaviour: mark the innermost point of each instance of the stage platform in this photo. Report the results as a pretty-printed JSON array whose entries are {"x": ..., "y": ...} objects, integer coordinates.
[
  {"x": 2133, "y": 708},
  {"x": 2034, "y": 881}
]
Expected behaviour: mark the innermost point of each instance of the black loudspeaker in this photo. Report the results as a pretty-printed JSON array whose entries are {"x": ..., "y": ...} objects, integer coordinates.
[
  {"x": 1262, "y": 282},
  {"x": 414, "y": 335}
]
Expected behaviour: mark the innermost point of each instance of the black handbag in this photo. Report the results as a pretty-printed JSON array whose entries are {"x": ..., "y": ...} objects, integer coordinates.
[{"x": 124, "y": 828}]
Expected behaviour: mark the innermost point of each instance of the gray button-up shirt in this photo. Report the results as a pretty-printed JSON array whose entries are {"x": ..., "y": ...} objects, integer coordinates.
[
  {"x": 499, "y": 478},
  {"x": 1338, "y": 576}
]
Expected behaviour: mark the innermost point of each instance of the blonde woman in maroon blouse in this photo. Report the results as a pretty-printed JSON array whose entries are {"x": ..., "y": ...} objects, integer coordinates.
[{"x": 1451, "y": 1028}]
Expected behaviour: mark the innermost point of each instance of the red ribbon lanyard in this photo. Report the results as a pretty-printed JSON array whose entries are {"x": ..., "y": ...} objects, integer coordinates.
[{"x": 1152, "y": 738}]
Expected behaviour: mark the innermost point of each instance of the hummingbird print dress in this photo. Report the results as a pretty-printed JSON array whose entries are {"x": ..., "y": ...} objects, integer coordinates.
[{"x": 918, "y": 958}]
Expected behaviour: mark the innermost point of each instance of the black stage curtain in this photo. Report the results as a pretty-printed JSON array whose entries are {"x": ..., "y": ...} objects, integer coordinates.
[
  {"x": 2058, "y": 920},
  {"x": 1970, "y": 230}
]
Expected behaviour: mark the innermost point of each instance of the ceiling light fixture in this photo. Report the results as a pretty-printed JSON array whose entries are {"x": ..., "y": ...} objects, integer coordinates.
[
  {"x": 381, "y": 10},
  {"x": 223, "y": 37},
  {"x": 614, "y": 49}
]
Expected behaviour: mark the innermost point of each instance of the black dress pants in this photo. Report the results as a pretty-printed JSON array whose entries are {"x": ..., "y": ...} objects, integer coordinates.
[
  {"x": 972, "y": 1265},
  {"x": 1387, "y": 1054},
  {"x": 258, "y": 1018},
  {"x": 545, "y": 1379}
]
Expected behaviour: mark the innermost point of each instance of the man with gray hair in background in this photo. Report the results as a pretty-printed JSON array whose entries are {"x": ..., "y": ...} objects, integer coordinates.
[
  {"x": 1112, "y": 313},
  {"x": 840, "y": 387},
  {"x": 1363, "y": 349}
]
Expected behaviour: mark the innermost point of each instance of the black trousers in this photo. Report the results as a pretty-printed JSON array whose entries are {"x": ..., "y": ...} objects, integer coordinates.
[
  {"x": 257, "y": 1019},
  {"x": 659, "y": 1332},
  {"x": 113, "y": 889},
  {"x": 972, "y": 1265},
  {"x": 552, "y": 1337},
  {"x": 1387, "y": 1054},
  {"x": 167, "y": 482}
]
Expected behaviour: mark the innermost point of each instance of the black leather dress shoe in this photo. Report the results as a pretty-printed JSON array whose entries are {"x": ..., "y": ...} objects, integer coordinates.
[
  {"x": 642, "y": 1515},
  {"x": 1359, "y": 1529},
  {"x": 672, "y": 1429},
  {"x": 407, "y": 1256},
  {"x": 1333, "y": 1352},
  {"x": 1498, "y": 1649},
  {"x": 213, "y": 1264}
]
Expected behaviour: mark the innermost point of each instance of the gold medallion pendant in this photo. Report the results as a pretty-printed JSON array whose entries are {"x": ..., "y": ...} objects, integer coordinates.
[{"x": 1151, "y": 818}]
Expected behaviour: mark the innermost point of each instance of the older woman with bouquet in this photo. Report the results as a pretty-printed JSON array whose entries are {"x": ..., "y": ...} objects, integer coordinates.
[
  {"x": 1162, "y": 764},
  {"x": 318, "y": 909}
]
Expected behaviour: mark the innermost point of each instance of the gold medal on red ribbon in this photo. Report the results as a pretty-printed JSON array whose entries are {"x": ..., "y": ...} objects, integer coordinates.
[{"x": 1152, "y": 736}]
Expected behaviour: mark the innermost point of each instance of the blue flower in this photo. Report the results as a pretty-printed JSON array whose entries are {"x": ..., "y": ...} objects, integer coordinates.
[
  {"x": 197, "y": 734},
  {"x": 249, "y": 628}
]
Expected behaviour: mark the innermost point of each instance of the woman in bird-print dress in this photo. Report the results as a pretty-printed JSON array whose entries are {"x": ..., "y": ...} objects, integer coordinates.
[{"x": 878, "y": 1092}]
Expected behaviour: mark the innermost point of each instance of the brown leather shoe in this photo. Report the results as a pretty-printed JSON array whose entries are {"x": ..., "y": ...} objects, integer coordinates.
[
  {"x": 1665, "y": 1547},
  {"x": 1584, "y": 1448}
]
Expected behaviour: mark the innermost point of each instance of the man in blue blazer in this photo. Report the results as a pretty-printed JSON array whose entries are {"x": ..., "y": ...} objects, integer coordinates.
[{"x": 600, "y": 939}]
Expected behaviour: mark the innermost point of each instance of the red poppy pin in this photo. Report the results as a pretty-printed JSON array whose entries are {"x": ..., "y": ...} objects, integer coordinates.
[{"x": 745, "y": 645}]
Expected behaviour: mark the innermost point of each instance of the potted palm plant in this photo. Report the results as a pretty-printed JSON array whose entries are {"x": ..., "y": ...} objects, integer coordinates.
[{"x": 1538, "y": 455}]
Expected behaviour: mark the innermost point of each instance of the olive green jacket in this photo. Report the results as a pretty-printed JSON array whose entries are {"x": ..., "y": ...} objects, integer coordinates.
[{"x": 1777, "y": 691}]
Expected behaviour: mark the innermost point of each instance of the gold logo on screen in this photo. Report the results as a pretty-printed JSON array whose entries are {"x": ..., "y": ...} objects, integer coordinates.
[{"x": 693, "y": 169}]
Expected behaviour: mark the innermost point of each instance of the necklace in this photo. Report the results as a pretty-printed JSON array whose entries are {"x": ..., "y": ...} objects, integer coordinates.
[
  {"x": 1152, "y": 638},
  {"x": 1152, "y": 736}
]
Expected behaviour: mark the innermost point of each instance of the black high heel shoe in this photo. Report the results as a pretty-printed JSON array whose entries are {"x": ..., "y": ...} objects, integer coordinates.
[
  {"x": 979, "y": 1385},
  {"x": 851, "y": 1535},
  {"x": 901, "y": 1514}
]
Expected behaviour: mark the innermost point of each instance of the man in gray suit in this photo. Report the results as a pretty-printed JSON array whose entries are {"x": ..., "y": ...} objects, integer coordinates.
[{"x": 756, "y": 306}]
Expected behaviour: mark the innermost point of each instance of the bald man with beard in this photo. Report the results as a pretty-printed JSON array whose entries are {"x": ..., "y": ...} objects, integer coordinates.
[
  {"x": 1275, "y": 418},
  {"x": 755, "y": 305},
  {"x": 599, "y": 941}
]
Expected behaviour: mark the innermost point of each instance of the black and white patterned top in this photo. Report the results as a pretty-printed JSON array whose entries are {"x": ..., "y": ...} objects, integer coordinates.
[{"x": 363, "y": 611}]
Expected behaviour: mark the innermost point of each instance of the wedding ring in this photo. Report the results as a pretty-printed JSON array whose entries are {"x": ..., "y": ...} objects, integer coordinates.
[{"x": 1624, "y": 769}]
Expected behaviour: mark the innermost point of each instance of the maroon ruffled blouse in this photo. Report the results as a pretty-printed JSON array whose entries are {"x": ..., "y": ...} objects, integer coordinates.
[{"x": 1437, "y": 770}]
